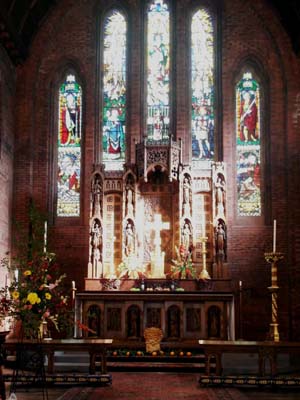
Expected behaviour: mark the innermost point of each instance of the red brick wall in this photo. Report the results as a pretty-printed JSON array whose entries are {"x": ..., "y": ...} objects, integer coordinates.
[
  {"x": 7, "y": 90},
  {"x": 249, "y": 32}
]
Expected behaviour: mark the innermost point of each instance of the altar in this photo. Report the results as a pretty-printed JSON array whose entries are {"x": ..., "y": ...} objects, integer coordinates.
[
  {"x": 157, "y": 250},
  {"x": 185, "y": 310}
]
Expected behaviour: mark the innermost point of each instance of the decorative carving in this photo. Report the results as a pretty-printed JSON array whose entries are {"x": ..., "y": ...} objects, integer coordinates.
[
  {"x": 186, "y": 235},
  {"x": 129, "y": 238},
  {"x": 173, "y": 316},
  {"x": 96, "y": 248},
  {"x": 97, "y": 196},
  {"x": 214, "y": 322},
  {"x": 219, "y": 190},
  {"x": 186, "y": 195},
  {"x": 130, "y": 198},
  {"x": 221, "y": 241},
  {"x": 155, "y": 156}
]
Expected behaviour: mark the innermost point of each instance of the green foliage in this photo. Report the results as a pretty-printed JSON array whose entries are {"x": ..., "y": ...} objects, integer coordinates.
[
  {"x": 183, "y": 265},
  {"x": 36, "y": 292}
]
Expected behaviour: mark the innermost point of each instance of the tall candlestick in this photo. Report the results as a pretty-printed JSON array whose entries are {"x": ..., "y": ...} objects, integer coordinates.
[
  {"x": 274, "y": 236},
  {"x": 45, "y": 237},
  {"x": 203, "y": 217}
]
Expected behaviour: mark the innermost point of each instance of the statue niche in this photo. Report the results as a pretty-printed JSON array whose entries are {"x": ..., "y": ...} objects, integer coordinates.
[
  {"x": 94, "y": 317},
  {"x": 133, "y": 322},
  {"x": 214, "y": 322},
  {"x": 96, "y": 248},
  {"x": 173, "y": 319}
]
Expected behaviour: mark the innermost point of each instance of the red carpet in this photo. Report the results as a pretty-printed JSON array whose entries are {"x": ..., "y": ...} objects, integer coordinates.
[{"x": 152, "y": 386}]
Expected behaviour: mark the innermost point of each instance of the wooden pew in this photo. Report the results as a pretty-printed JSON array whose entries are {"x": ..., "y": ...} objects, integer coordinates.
[{"x": 267, "y": 352}]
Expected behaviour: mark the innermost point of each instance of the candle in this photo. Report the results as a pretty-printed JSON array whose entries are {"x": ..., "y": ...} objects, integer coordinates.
[
  {"x": 274, "y": 236},
  {"x": 240, "y": 284},
  {"x": 45, "y": 237},
  {"x": 203, "y": 217},
  {"x": 73, "y": 284}
]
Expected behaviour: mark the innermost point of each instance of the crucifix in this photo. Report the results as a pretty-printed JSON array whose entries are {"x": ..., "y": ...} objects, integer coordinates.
[{"x": 157, "y": 256}]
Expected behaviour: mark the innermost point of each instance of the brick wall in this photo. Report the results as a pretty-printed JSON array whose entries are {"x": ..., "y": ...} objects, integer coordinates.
[{"x": 250, "y": 32}]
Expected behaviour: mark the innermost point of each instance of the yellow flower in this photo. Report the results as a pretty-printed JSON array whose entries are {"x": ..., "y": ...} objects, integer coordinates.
[
  {"x": 27, "y": 272},
  {"x": 48, "y": 296},
  {"x": 33, "y": 298},
  {"x": 15, "y": 295}
]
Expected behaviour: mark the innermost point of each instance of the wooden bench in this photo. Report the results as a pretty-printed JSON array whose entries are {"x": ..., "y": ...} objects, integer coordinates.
[
  {"x": 266, "y": 351},
  {"x": 95, "y": 347}
]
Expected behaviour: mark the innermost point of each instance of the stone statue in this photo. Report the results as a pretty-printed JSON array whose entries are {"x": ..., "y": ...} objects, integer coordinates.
[
  {"x": 96, "y": 192},
  {"x": 96, "y": 249},
  {"x": 186, "y": 196},
  {"x": 129, "y": 239},
  {"x": 220, "y": 194},
  {"x": 129, "y": 200},
  {"x": 220, "y": 240},
  {"x": 186, "y": 236}
]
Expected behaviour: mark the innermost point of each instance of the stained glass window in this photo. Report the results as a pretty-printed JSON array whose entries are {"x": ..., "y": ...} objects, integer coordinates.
[
  {"x": 69, "y": 148},
  {"x": 114, "y": 91},
  {"x": 158, "y": 71},
  {"x": 248, "y": 144},
  {"x": 202, "y": 86}
]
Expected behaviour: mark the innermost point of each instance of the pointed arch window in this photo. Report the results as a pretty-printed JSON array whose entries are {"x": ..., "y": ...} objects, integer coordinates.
[
  {"x": 158, "y": 71},
  {"x": 69, "y": 147},
  {"x": 202, "y": 85},
  {"x": 114, "y": 85},
  {"x": 248, "y": 145}
]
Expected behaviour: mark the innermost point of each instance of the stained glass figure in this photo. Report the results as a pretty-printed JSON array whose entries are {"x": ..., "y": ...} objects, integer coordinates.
[
  {"x": 69, "y": 148},
  {"x": 202, "y": 86},
  {"x": 158, "y": 71},
  {"x": 114, "y": 91},
  {"x": 248, "y": 146}
]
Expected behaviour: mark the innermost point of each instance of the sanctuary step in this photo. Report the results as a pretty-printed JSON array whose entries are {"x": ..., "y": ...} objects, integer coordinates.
[{"x": 134, "y": 360}]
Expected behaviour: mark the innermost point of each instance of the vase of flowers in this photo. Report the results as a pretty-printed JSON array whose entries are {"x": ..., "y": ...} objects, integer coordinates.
[{"x": 35, "y": 295}]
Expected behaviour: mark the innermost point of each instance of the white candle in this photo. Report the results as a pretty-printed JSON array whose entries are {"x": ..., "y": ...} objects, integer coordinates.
[
  {"x": 274, "y": 236},
  {"x": 240, "y": 284},
  {"x": 45, "y": 237},
  {"x": 203, "y": 218},
  {"x": 73, "y": 284}
]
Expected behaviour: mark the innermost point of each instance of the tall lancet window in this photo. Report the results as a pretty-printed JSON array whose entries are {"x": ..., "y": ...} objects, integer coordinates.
[
  {"x": 202, "y": 86},
  {"x": 114, "y": 91},
  {"x": 158, "y": 71},
  {"x": 69, "y": 148},
  {"x": 248, "y": 146}
]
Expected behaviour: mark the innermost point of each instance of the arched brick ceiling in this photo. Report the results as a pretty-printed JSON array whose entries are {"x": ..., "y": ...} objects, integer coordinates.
[{"x": 20, "y": 21}]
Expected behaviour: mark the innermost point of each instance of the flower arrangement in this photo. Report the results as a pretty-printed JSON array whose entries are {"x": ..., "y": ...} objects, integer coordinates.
[
  {"x": 129, "y": 268},
  {"x": 35, "y": 293},
  {"x": 183, "y": 265}
]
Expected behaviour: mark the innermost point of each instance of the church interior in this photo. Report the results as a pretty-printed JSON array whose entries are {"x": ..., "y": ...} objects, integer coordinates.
[{"x": 159, "y": 141}]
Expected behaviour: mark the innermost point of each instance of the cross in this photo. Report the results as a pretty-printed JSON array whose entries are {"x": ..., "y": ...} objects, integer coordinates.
[{"x": 158, "y": 226}]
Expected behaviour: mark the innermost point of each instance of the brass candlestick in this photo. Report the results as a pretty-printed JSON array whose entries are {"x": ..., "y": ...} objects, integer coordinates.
[
  {"x": 273, "y": 258},
  {"x": 204, "y": 273}
]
